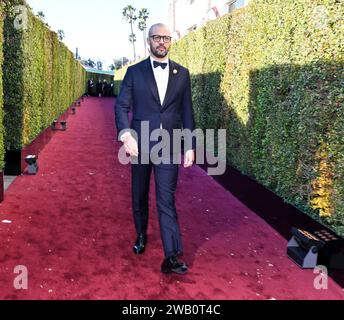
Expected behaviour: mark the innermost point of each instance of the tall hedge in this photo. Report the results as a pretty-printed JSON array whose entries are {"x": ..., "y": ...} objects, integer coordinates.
[
  {"x": 119, "y": 75},
  {"x": 2, "y": 149},
  {"x": 284, "y": 92},
  {"x": 41, "y": 78},
  {"x": 283, "y": 99},
  {"x": 272, "y": 75}
]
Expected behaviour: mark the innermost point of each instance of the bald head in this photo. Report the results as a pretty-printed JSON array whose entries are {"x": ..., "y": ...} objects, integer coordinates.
[{"x": 159, "y": 27}]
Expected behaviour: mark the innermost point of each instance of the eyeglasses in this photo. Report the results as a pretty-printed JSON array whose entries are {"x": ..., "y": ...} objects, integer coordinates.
[{"x": 157, "y": 38}]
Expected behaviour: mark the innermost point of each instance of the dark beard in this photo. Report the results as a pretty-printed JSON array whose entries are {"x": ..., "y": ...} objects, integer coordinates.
[{"x": 159, "y": 55}]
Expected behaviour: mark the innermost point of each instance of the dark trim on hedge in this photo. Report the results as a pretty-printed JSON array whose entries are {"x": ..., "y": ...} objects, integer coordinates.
[{"x": 13, "y": 162}]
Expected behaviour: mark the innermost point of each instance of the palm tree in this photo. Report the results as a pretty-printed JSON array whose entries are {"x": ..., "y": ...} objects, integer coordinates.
[
  {"x": 132, "y": 39},
  {"x": 130, "y": 16},
  {"x": 143, "y": 17}
]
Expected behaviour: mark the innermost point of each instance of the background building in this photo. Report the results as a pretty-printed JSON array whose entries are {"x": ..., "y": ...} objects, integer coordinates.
[{"x": 188, "y": 15}]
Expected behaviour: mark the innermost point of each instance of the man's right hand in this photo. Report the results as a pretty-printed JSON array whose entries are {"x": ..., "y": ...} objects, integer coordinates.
[{"x": 131, "y": 146}]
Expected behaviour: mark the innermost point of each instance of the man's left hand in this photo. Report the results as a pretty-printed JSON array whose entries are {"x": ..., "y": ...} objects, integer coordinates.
[{"x": 189, "y": 158}]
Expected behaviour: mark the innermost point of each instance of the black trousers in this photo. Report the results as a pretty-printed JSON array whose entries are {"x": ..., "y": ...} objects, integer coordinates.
[{"x": 166, "y": 176}]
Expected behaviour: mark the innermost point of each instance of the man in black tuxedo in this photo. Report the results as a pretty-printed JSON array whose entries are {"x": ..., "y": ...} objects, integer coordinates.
[
  {"x": 90, "y": 86},
  {"x": 158, "y": 91},
  {"x": 99, "y": 88},
  {"x": 104, "y": 88},
  {"x": 111, "y": 89}
]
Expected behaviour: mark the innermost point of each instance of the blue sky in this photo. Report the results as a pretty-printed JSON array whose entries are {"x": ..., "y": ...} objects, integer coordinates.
[{"x": 96, "y": 27}]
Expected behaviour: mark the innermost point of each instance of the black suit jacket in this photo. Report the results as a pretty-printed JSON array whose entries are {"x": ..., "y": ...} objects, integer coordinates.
[{"x": 139, "y": 94}]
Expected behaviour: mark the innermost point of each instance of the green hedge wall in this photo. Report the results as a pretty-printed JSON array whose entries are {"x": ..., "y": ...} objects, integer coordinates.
[
  {"x": 2, "y": 149},
  {"x": 272, "y": 75},
  {"x": 275, "y": 83},
  {"x": 41, "y": 78},
  {"x": 204, "y": 53},
  {"x": 284, "y": 94},
  {"x": 119, "y": 75}
]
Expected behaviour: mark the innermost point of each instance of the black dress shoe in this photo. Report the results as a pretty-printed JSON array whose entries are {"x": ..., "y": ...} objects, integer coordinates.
[
  {"x": 140, "y": 244},
  {"x": 172, "y": 264}
]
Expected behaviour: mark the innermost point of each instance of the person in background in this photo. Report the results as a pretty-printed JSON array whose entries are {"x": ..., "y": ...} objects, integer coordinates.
[
  {"x": 104, "y": 88},
  {"x": 111, "y": 89},
  {"x": 90, "y": 86},
  {"x": 99, "y": 88}
]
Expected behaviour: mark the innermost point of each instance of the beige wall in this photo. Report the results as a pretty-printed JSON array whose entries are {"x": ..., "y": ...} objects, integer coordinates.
[{"x": 187, "y": 14}]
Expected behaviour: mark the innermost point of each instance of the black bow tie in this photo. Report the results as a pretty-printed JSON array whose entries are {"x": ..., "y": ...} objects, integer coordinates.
[{"x": 163, "y": 65}]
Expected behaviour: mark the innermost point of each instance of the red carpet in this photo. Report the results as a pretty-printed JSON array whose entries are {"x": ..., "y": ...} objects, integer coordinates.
[{"x": 72, "y": 228}]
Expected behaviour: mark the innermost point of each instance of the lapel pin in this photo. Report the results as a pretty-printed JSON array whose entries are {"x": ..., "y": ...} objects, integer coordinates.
[{"x": 175, "y": 71}]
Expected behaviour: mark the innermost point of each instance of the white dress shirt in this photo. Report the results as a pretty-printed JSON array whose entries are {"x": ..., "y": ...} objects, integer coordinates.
[{"x": 161, "y": 78}]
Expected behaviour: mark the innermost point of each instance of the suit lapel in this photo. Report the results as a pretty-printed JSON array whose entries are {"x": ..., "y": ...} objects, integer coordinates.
[
  {"x": 171, "y": 84},
  {"x": 149, "y": 76}
]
